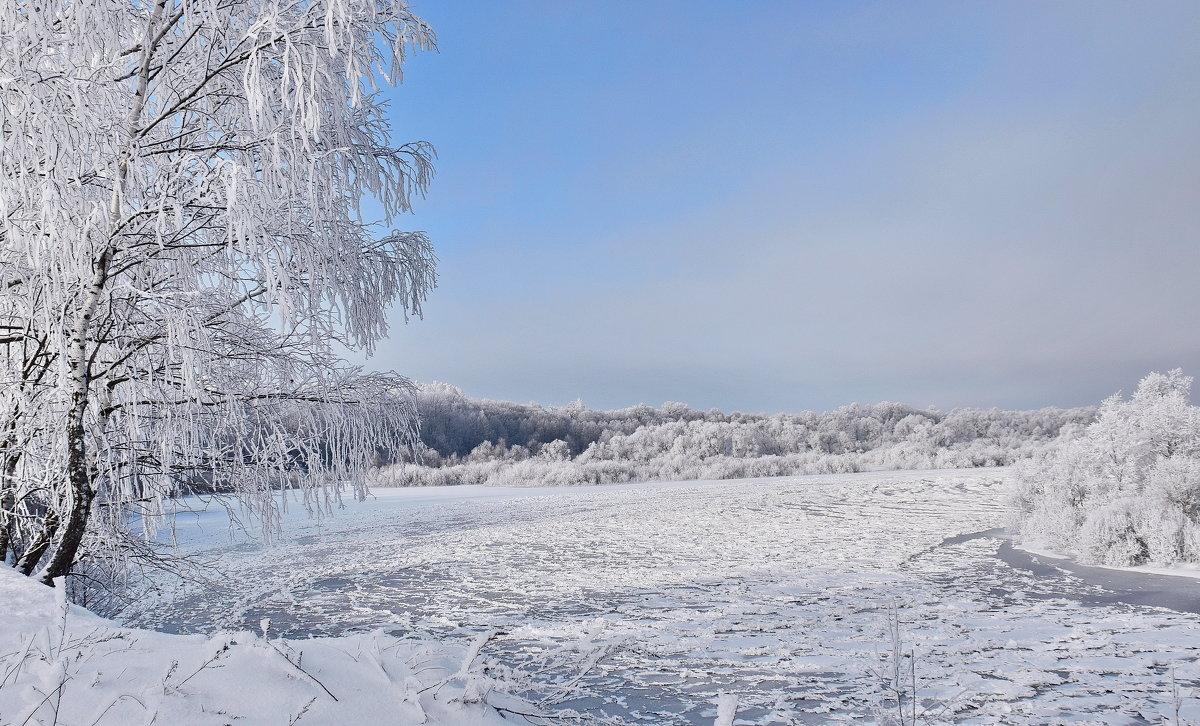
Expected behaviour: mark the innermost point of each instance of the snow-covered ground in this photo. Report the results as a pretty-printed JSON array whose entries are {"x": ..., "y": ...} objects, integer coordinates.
[
  {"x": 649, "y": 602},
  {"x": 62, "y": 665}
]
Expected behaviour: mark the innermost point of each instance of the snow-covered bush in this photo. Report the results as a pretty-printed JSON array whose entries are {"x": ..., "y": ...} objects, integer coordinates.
[
  {"x": 1110, "y": 535},
  {"x": 1127, "y": 489}
]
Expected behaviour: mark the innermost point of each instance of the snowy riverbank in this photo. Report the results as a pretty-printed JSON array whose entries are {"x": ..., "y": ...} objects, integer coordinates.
[
  {"x": 1181, "y": 569},
  {"x": 63, "y": 665}
]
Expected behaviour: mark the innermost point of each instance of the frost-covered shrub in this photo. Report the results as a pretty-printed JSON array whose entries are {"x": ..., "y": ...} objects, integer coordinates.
[
  {"x": 1172, "y": 518},
  {"x": 1175, "y": 484},
  {"x": 1165, "y": 534},
  {"x": 1044, "y": 506},
  {"x": 1109, "y": 535},
  {"x": 1127, "y": 489}
]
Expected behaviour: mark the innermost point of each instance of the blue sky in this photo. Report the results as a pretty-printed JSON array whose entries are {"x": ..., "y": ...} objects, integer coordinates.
[{"x": 779, "y": 206}]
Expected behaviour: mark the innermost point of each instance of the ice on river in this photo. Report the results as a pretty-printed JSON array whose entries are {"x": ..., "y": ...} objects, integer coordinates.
[{"x": 650, "y": 601}]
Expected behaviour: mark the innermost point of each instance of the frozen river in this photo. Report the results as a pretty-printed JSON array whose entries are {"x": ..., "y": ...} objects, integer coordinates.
[{"x": 646, "y": 601}]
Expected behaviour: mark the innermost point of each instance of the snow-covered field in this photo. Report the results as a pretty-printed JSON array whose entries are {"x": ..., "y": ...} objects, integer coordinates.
[
  {"x": 647, "y": 603},
  {"x": 651, "y": 600}
]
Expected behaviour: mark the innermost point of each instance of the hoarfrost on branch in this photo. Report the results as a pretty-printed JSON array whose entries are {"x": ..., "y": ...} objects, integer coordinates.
[{"x": 183, "y": 251}]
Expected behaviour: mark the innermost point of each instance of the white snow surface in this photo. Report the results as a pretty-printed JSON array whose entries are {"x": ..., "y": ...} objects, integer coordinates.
[
  {"x": 1177, "y": 569},
  {"x": 63, "y": 665},
  {"x": 659, "y": 604}
]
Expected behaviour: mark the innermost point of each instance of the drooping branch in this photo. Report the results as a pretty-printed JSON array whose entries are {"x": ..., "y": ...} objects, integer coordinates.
[{"x": 182, "y": 250}]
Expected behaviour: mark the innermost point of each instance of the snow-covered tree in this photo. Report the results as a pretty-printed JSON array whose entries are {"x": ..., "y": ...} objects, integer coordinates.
[
  {"x": 182, "y": 251},
  {"x": 1127, "y": 489}
]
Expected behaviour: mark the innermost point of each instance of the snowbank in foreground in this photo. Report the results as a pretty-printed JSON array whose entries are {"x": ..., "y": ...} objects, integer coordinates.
[{"x": 62, "y": 664}]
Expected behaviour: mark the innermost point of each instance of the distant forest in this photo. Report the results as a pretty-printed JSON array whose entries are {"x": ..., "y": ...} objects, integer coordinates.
[{"x": 467, "y": 440}]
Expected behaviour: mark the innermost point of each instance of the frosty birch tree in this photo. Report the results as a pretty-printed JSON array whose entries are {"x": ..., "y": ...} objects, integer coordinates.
[{"x": 183, "y": 247}]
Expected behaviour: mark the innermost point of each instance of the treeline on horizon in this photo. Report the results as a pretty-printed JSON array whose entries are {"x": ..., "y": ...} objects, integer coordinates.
[{"x": 467, "y": 440}]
